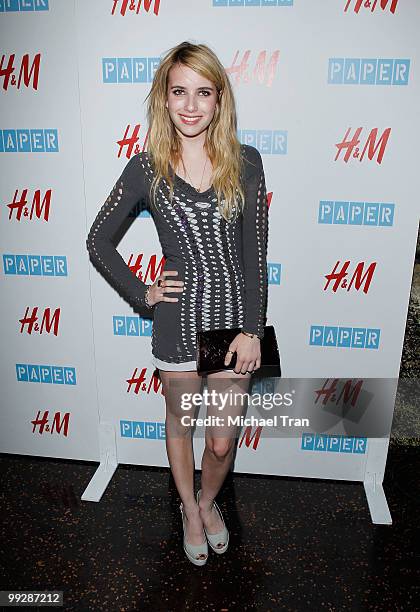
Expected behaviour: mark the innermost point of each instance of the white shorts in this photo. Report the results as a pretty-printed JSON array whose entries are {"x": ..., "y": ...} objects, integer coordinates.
[{"x": 185, "y": 366}]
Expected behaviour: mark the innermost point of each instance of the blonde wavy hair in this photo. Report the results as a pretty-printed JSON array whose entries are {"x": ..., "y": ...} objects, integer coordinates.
[{"x": 222, "y": 145}]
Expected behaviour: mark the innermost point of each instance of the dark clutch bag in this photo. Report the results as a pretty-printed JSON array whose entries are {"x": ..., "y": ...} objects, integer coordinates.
[{"x": 213, "y": 345}]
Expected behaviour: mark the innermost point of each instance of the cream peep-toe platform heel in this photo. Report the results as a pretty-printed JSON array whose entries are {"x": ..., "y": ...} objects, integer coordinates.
[
  {"x": 194, "y": 552},
  {"x": 222, "y": 537}
]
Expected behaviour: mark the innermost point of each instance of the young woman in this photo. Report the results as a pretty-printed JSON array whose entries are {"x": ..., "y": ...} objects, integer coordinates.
[{"x": 207, "y": 195}]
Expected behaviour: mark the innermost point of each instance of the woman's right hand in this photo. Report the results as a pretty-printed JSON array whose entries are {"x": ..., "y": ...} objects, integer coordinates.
[{"x": 157, "y": 293}]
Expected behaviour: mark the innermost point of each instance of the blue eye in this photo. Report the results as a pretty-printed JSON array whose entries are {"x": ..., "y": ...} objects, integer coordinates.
[{"x": 175, "y": 91}]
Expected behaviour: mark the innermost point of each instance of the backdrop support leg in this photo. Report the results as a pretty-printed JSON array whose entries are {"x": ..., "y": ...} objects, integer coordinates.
[
  {"x": 372, "y": 482},
  {"x": 107, "y": 466},
  {"x": 378, "y": 506}
]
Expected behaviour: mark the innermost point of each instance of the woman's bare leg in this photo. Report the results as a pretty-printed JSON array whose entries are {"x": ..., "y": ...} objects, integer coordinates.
[
  {"x": 179, "y": 445},
  {"x": 220, "y": 442}
]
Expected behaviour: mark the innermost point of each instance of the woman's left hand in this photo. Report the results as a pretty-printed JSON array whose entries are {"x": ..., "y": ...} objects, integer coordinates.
[{"x": 248, "y": 353}]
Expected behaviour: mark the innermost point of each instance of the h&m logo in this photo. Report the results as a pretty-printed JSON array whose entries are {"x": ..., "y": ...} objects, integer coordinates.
[
  {"x": 372, "y": 144},
  {"x": 26, "y": 73},
  {"x": 371, "y": 4},
  {"x": 59, "y": 422},
  {"x": 131, "y": 5},
  {"x": 23, "y": 207}
]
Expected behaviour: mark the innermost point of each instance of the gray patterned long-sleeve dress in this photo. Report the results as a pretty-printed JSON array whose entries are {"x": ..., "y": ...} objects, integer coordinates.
[{"x": 223, "y": 265}]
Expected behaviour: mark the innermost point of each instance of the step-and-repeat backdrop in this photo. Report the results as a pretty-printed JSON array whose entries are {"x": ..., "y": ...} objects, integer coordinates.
[{"x": 328, "y": 92}]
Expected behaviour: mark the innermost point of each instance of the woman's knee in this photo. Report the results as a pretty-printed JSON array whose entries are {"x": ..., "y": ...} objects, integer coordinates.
[
  {"x": 175, "y": 427},
  {"x": 220, "y": 447}
]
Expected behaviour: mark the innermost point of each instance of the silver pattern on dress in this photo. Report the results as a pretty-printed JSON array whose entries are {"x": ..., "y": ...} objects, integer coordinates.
[{"x": 224, "y": 264}]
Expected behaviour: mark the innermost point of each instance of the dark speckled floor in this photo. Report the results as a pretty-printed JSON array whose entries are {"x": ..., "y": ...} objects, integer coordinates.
[{"x": 296, "y": 544}]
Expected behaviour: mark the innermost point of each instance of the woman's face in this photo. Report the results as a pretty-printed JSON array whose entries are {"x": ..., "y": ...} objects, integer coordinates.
[{"x": 190, "y": 95}]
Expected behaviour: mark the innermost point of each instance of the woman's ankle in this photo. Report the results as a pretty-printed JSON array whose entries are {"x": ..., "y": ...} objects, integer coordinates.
[
  {"x": 205, "y": 505},
  {"x": 191, "y": 509}
]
